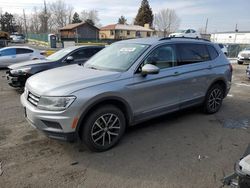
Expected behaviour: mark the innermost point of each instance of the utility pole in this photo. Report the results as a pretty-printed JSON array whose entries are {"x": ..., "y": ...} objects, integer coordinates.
[
  {"x": 25, "y": 24},
  {"x": 206, "y": 26}
]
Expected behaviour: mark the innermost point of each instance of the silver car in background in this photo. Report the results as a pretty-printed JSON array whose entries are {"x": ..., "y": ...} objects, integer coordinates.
[
  {"x": 126, "y": 83},
  {"x": 15, "y": 54}
]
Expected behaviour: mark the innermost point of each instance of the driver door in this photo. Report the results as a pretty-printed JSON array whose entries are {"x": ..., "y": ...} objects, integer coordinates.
[{"x": 156, "y": 94}]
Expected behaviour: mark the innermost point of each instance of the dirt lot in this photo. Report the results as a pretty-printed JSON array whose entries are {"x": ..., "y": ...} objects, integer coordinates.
[{"x": 184, "y": 149}]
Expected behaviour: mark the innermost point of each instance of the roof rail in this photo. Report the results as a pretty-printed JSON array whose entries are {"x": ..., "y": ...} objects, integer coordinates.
[{"x": 169, "y": 38}]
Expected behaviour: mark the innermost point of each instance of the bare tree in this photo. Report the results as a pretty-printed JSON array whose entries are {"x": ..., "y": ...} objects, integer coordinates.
[
  {"x": 166, "y": 20},
  {"x": 90, "y": 16},
  {"x": 19, "y": 22},
  {"x": 62, "y": 13},
  {"x": 44, "y": 17},
  {"x": 34, "y": 21}
]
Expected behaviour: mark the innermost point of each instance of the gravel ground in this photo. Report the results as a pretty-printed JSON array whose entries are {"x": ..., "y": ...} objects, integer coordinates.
[{"x": 183, "y": 149}]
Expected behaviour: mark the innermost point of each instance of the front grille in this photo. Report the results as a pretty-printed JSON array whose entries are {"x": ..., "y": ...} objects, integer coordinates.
[
  {"x": 245, "y": 55},
  {"x": 33, "y": 99}
]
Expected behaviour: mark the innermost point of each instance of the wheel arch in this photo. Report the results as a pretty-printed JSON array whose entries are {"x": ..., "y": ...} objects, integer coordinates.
[
  {"x": 116, "y": 101},
  {"x": 220, "y": 81}
]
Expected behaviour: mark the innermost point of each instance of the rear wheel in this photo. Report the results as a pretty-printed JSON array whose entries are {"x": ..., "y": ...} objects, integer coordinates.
[
  {"x": 214, "y": 98},
  {"x": 103, "y": 128}
]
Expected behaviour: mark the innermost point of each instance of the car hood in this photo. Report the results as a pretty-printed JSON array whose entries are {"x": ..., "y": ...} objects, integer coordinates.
[
  {"x": 68, "y": 79},
  {"x": 28, "y": 63}
]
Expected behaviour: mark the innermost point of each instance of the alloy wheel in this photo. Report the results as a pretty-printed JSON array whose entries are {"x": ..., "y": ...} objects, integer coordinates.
[{"x": 106, "y": 129}]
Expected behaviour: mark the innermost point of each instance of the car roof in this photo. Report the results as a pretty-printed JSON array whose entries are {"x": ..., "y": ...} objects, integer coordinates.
[
  {"x": 83, "y": 46},
  {"x": 157, "y": 40},
  {"x": 10, "y": 47}
]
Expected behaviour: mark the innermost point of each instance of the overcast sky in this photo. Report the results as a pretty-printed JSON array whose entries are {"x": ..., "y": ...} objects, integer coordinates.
[{"x": 222, "y": 14}]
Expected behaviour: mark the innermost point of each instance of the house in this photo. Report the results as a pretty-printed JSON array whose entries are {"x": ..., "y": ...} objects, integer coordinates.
[
  {"x": 120, "y": 31},
  {"x": 231, "y": 37},
  {"x": 82, "y": 30}
]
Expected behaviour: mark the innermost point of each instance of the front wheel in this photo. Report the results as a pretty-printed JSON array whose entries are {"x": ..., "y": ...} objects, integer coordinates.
[
  {"x": 103, "y": 128},
  {"x": 240, "y": 62},
  {"x": 214, "y": 98}
]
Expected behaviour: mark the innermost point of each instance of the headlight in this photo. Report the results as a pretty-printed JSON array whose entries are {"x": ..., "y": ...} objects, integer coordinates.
[
  {"x": 55, "y": 103},
  {"x": 22, "y": 71}
]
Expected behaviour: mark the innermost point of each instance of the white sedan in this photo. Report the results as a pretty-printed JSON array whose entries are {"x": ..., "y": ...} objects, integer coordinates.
[
  {"x": 16, "y": 54},
  {"x": 186, "y": 33}
]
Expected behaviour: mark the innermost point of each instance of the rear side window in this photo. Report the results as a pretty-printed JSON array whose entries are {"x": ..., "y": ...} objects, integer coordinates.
[
  {"x": 192, "y": 53},
  {"x": 8, "y": 52},
  {"x": 23, "y": 51},
  {"x": 212, "y": 51}
]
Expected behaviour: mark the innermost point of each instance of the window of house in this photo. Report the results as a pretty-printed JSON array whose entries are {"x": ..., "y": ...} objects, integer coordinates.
[
  {"x": 128, "y": 32},
  {"x": 148, "y": 34},
  {"x": 111, "y": 32}
]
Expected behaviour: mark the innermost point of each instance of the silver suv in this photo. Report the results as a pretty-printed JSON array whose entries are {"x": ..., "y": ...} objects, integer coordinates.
[{"x": 126, "y": 83}]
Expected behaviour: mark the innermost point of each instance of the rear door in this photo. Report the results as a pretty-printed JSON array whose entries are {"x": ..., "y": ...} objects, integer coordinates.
[
  {"x": 7, "y": 57},
  {"x": 24, "y": 54},
  {"x": 194, "y": 70}
]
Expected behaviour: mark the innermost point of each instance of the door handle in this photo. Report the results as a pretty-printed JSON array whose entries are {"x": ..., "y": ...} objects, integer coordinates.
[{"x": 176, "y": 73}]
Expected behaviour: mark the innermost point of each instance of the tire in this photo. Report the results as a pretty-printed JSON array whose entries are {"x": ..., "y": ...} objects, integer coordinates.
[
  {"x": 103, "y": 128},
  {"x": 240, "y": 62},
  {"x": 214, "y": 98}
]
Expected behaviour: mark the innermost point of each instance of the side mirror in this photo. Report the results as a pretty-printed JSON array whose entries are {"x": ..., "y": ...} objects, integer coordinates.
[
  {"x": 150, "y": 69},
  {"x": 69, "y": 59}
]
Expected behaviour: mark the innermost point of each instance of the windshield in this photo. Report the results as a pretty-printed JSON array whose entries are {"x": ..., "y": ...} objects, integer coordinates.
[
  {"x": 180, "y": 31},
  {"x": 60, "y": 54},
  {"x": 117, "y": 57}
]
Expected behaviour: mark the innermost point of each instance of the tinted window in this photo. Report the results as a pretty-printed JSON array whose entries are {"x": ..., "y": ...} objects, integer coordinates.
[
  {"x": 8, "y": 52},
  {"x": 90, "y": 52},
  {"x": 23, "y": 51},
  {"x": 221, "y": 45},
  {"x": 212, "y": 51},
  {"x": 192, "y": 53},
  {"x": 162, "y": 57},
  {"x": 80, "y": 54},
  {"x": 85, "y": 53}
]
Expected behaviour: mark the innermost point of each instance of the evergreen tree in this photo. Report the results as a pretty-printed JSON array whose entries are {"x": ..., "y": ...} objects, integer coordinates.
[
  {"x": 90, "y": 22},
  {"x": 7, "y": 23},
  {"x": 144, "y": 15},
  {"x": 76, "y": 18},
  {"x": 122, "y": 20}
]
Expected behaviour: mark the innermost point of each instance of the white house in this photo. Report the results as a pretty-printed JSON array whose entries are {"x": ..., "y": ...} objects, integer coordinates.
[{"x": 241, "y": 37}]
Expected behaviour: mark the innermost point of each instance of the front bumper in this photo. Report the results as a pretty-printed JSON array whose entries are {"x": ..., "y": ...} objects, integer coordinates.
[
  {"x": 55, "y": 125},
  {"x": 243, "y": 59},
  {"x": 16, "y": 81}
]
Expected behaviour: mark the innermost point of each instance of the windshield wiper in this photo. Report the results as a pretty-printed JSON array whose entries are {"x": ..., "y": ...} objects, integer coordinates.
[{"x": 91, "y": 67}]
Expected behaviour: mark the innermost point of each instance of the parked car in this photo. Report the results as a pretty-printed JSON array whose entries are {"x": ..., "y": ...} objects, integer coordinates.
[
  {"x": 18, "y": 38},
  {"x": 244, "y": 56},
  {"x": 186, "y": 33},
  {"x": 248, "y": 71},
  {"x": 223, "y": 48},
  {"x": 20, "y": 72},
  {"x": 126, "y": 83},
  {"x": 15, "y": 54}
]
